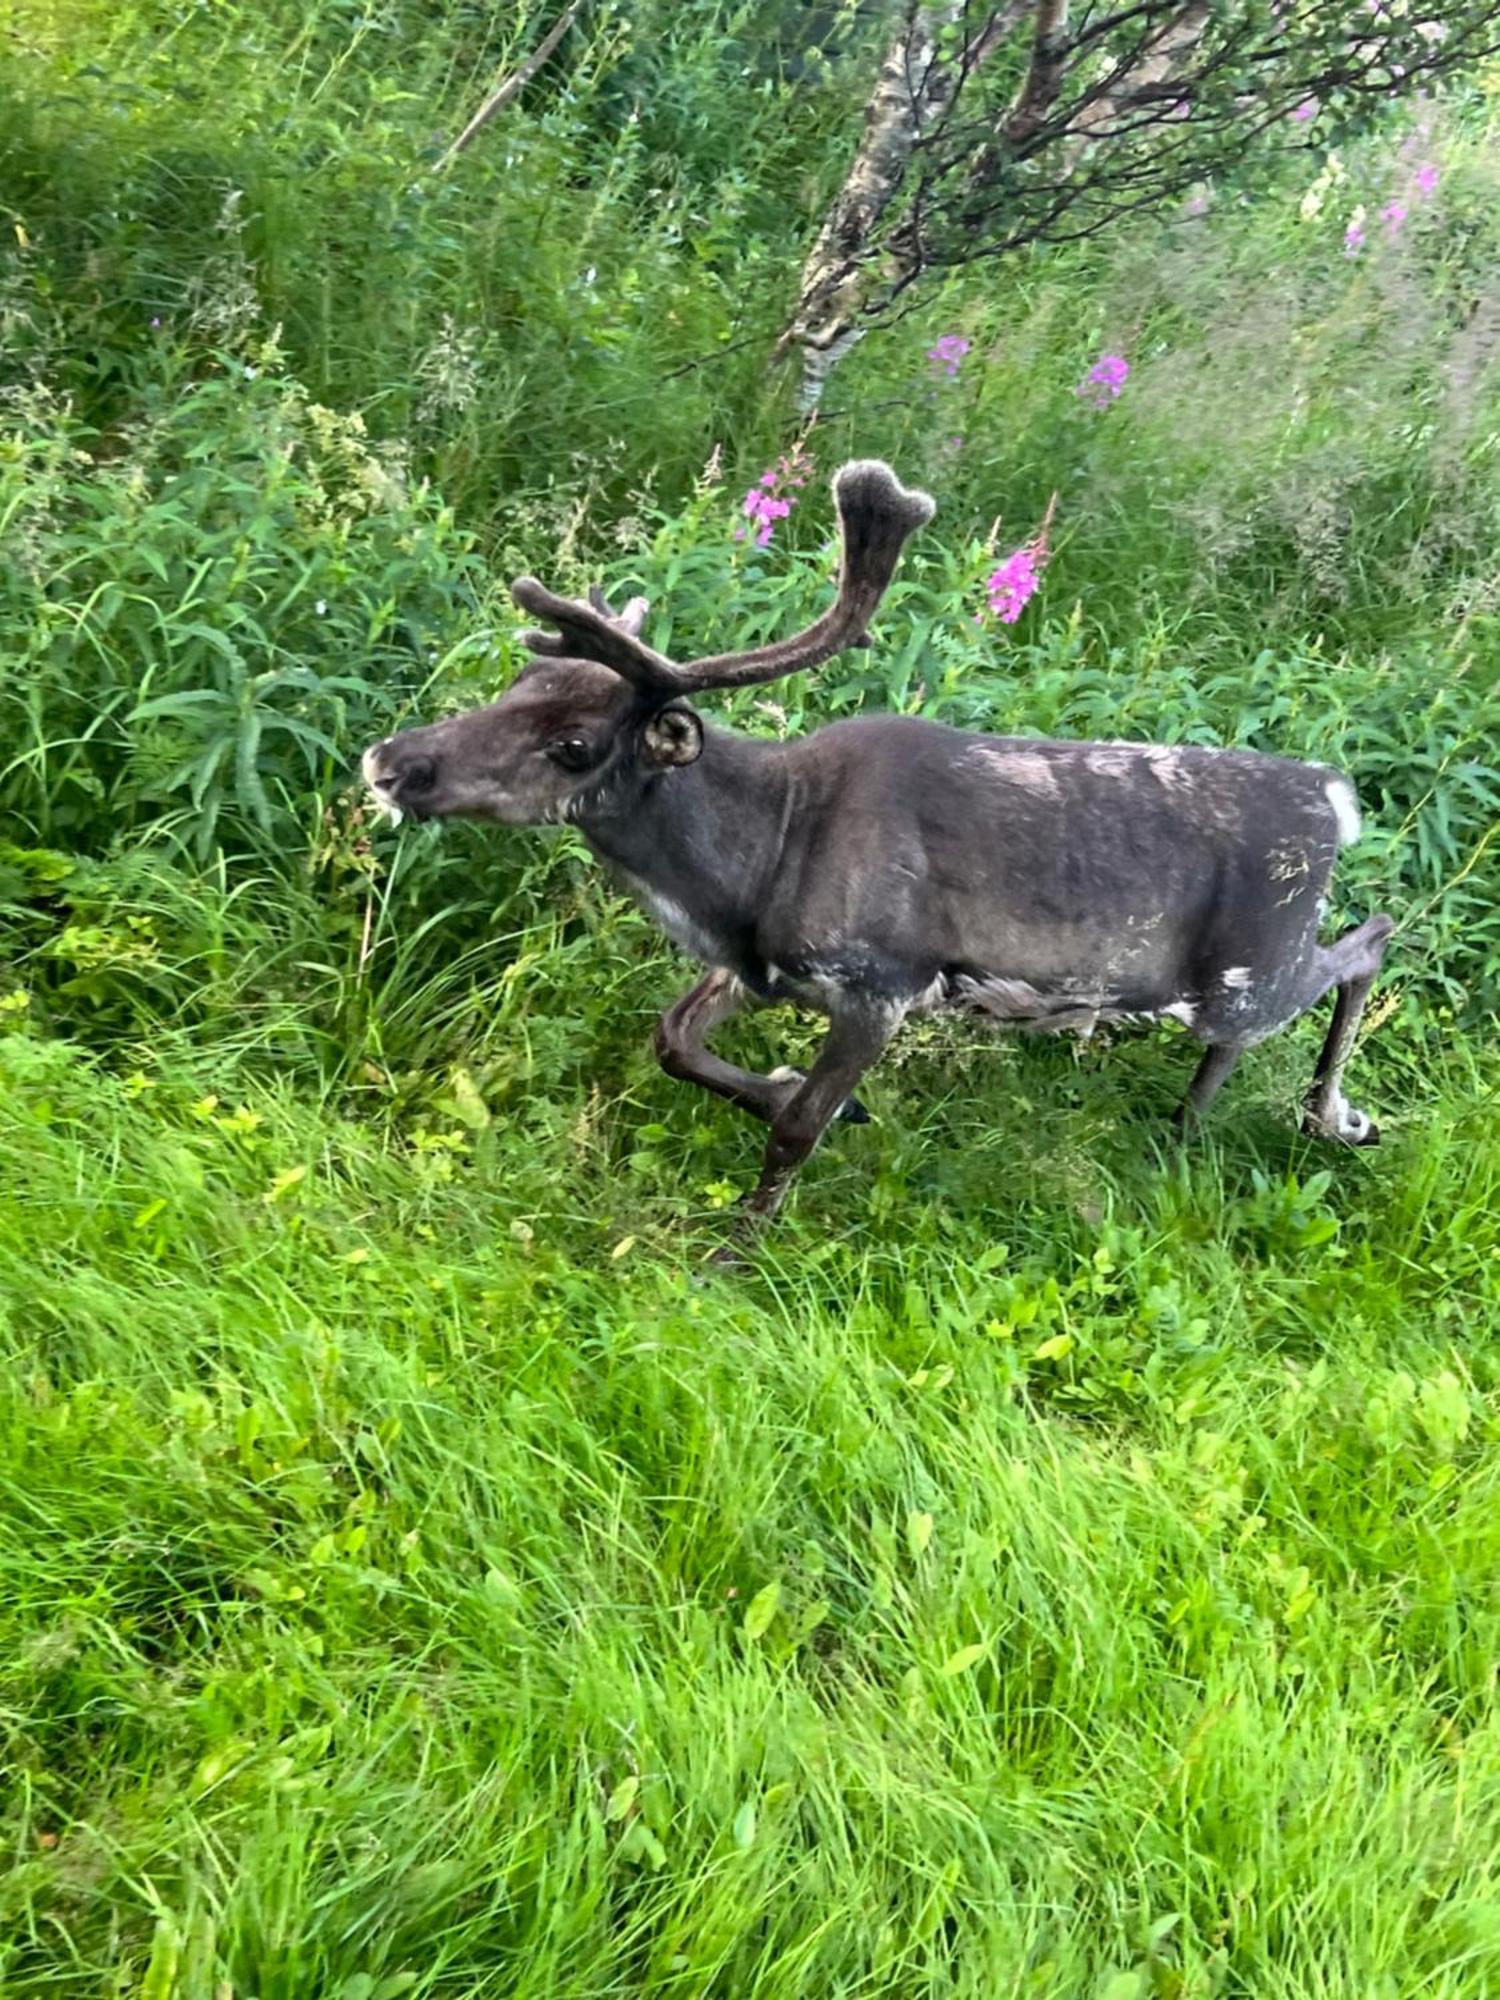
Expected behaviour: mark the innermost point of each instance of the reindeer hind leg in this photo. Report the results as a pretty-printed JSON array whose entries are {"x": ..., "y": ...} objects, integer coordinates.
[{"x": 1355, "y": 961}]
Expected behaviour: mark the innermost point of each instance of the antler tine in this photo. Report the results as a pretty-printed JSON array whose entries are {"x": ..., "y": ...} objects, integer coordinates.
[
  {"x": 630, "y": 620},
  {"x": 593, "y": 632},
  {"x": 877, "y": 514}
]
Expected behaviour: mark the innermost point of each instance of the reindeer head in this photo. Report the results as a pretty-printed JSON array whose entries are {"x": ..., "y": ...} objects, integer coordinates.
[{"x": 597, "y": 713}]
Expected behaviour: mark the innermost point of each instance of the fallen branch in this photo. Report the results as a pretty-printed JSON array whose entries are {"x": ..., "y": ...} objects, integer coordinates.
[{"x": 518, "y": 78}]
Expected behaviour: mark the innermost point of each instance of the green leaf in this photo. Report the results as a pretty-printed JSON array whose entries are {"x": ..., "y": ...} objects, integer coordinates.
[
  {"x": 961, "y": 1661},
  {"x": 744, "y": 1825},
  {"x": 166, "y": 1954},
  {"x": 811, "y": 1618},
  {"x": 918, "y": 1532},
  {"x": 761, "y": 1609},
  {"x": 622, "y": 1798},
  {"x": 1123, "y": 1986}
]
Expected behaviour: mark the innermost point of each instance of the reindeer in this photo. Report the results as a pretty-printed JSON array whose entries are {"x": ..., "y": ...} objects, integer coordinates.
[{"x": 887, "y": 865}]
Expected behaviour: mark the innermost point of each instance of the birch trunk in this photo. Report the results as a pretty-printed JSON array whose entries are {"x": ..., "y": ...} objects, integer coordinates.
[{"x": 839, "y": 274}]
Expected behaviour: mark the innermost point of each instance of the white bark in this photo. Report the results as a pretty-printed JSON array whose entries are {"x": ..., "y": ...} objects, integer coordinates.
[{"x": 911, "y": 88}]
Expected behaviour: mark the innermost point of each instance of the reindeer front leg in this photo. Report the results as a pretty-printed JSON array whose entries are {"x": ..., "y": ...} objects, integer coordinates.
[
  {"x": 681, "y": 1037},
  {"x": 681, "y": 1049},
  {"x": 856, "y": 1038}
]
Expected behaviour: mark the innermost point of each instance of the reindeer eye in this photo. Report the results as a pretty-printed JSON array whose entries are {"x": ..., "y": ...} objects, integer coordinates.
[{"x": 573, "y": 753}]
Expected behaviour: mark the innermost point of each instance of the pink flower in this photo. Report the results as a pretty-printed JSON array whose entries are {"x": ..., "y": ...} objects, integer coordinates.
[
  {"x": 773, "y": 496},
  {"x": 1393, "y": 215},
  {"x": 1011, "y": 586},
  {"x": 1307, "y": 109},
  {"x": 946, "y": 354},
  {"x": 1105, "y": 380},
  {"x": 1354, "y": 239},
  {"x": 1426, "y": 178}
]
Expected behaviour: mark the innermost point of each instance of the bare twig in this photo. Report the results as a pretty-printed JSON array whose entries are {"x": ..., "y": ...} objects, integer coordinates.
[{"x": 518, "y": 78}]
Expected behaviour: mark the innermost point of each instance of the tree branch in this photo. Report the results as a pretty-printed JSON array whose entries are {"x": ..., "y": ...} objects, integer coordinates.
[
  {"x": 1038, "y": 94},
  {"x": 517, "y": 80}
]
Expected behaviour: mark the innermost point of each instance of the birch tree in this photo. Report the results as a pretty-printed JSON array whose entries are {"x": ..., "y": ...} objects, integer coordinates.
[{"x": 1038, "y": 121}]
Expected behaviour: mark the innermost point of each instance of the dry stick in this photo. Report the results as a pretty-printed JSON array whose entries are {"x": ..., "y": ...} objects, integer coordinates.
[
  {"x": 507, "y": 90},
  {"x": 364, "y": 942}
]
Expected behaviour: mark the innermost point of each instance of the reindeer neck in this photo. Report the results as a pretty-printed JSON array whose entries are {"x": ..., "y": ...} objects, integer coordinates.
[{"x": 701, "y": 845}]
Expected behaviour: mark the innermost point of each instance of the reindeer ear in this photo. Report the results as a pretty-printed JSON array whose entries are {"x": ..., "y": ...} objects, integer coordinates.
[{"x": 673, "y": 736}]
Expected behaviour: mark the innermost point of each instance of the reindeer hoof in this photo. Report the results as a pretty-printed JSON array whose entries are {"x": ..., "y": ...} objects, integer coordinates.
[
  {"x": 852, "y": 1112},
  {"x": 1340, "y": 1122}
]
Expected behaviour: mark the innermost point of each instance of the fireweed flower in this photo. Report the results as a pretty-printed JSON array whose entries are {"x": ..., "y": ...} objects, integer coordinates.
[
  {"x": 1393, "y": 215},
  {"x": 1307, "y": 109},
  {"x": 1105, "y": 380},
  {"x": 1354, "y": 234},
  {"x": 947, "y": 354},
  {"x": 773, "y": 496},
  {"x": 1426, "y": 178},
  {"x": 1010, "y": 587},
  {"x": 1013, "y": 583}
]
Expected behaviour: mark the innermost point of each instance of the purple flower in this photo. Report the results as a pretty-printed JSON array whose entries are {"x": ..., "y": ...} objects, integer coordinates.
[
  {"x": 1354, "y": 239},
  {"x": 156, "y": 326},
  {"x": 1393, "y": 215},
  {"x": 947, "y": 352},
  {"x": 1105, "y": 380},
  {"x": 1426, "y": 178},
  {"x": 773, "y": 496},
  {"x": 1012, "y": 585},
  {"x": 1307, "y": 109}
]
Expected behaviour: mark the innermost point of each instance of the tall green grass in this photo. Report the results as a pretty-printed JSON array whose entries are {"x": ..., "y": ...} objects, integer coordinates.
[{"x": 1078, "y": 1569}]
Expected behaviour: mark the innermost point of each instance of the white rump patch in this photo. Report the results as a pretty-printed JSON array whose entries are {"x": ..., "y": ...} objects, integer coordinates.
[
  {"x": 1236, "y": 977},
  {"x": 1340, "y": 794},
  {"x": 1181, "y": 1010}
]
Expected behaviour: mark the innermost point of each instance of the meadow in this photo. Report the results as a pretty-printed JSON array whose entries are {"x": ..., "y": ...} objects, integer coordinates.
[{"x": 1062, "y": 1563}]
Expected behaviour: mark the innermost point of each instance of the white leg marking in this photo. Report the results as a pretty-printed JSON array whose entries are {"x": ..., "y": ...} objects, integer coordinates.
[{"x": 1337, "y": 1118}]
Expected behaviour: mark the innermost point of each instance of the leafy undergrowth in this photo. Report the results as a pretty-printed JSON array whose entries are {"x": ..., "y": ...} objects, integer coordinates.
[{"x": 421, "y": 1577}]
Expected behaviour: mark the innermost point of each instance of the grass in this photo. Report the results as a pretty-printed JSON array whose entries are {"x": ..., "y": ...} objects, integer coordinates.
[
  {"x": 1078, "y": 1570},
  {"x": 1062, "y": 1564}
]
